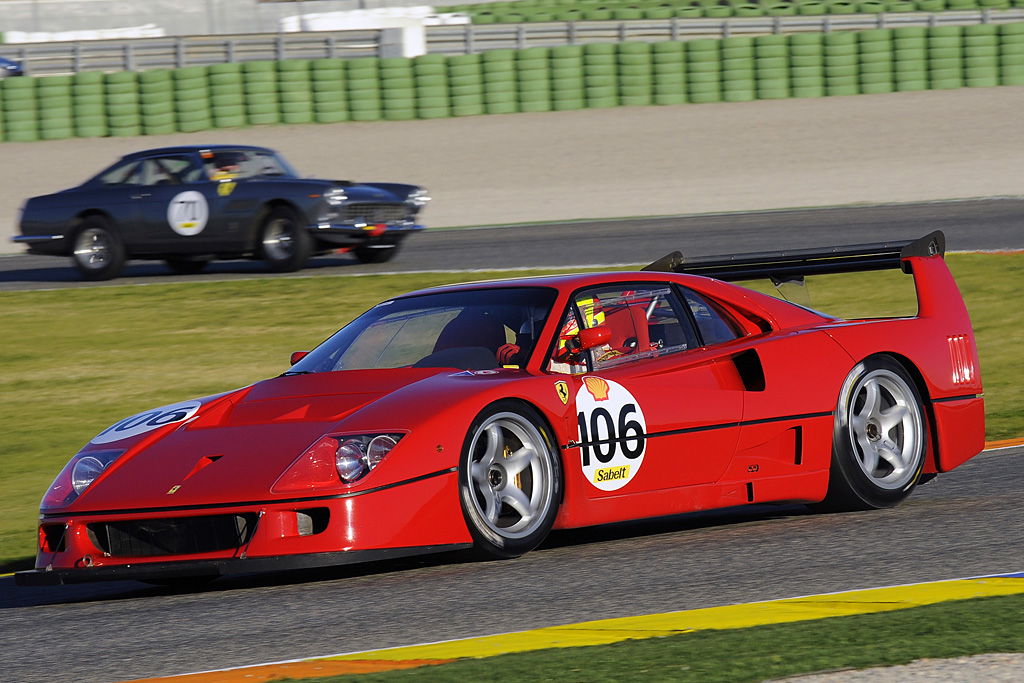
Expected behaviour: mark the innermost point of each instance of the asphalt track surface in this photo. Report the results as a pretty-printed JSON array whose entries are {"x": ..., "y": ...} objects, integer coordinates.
[
  {"x": 985, "y": 224},
  {"x": 964, "y": 523}
]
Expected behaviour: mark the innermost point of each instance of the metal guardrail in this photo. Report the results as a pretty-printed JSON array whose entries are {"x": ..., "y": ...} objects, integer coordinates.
[
  {"x": 140, "y": 54},
  {"x": 176, "y": 52}
]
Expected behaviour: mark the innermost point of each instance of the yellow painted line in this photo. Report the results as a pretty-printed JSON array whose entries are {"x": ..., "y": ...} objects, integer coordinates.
[{"x": 607, "y": 631}]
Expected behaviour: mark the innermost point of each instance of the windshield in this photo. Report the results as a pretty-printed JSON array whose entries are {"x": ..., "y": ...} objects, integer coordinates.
[{"x": 470, "y": 330}]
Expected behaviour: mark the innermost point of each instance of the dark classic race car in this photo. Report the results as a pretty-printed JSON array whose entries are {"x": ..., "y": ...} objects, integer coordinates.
[
  {"x": 488, "y": 414},
  {"x": 189, "y": 205}
]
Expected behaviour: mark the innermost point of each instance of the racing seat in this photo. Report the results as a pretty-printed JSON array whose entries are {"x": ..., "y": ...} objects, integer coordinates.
[{"x": 628, "y": 327}]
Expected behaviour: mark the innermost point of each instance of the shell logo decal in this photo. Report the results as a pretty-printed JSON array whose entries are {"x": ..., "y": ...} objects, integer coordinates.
[{"x": 612, "y": 433}]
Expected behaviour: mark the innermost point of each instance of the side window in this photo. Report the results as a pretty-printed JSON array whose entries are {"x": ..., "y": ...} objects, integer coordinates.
[
  {"x": 714, "y": 324},
  {"x": 173, "y": 170},
  {"x": 642, "y": 321},
  {"x": 123, "y": 174}
]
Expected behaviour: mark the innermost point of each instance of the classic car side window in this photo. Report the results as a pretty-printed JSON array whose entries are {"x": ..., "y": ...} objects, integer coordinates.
[
  {"x": 123, "y": 174},
  {"x": 714, "y": 324},
  {"x": 172, "y": 170},
  {"x": 643, "y": 321}
]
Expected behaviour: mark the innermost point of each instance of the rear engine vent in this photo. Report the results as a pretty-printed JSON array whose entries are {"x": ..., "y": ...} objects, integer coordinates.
[
  {"x": 962, "y": 359},
  {"x": 176, "y": 536}
]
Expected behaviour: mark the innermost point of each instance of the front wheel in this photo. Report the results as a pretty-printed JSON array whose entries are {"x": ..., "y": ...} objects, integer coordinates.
[
  {"x": 98, "y": 252},
  {"x": 510, "y": 480},
  {"x": 285, "y": 245},
  {"x": 879, "y": 439}
]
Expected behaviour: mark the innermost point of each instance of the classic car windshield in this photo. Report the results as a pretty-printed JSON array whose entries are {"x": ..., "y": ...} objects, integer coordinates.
[{"x": 471, "y": 330}]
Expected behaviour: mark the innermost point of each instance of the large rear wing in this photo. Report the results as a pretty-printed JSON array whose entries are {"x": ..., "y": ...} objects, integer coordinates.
[{"x": 795, "y": 263}]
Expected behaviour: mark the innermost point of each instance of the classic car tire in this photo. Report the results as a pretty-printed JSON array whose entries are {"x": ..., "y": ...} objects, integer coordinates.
[
  {"x": 284, "y": 243},
  {"x": 184, "y": 266},
  {"x": 879, "y": 439},
  {"x": 97, "y": 250},
  {"x": 510, "y": 480},
  {"x": 375, "y": 254}
]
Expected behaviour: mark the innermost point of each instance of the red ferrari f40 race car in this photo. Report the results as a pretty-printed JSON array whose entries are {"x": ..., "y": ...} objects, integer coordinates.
[{"x": 488, "y": 414}]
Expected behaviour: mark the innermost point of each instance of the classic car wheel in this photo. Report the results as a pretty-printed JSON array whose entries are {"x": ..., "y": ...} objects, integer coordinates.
[
  {"x": 379, "y": 254},
  {"x": 284, "y": 243},
  {"x": 184, "y": 266},
  {"x": 880, "y": 438},
  {"x": 509, "y": 480},
  {"x": 98, "y": 252}
]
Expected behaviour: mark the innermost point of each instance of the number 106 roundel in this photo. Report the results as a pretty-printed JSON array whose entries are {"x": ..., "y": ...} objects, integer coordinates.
[{"x": 485, "y": 415}]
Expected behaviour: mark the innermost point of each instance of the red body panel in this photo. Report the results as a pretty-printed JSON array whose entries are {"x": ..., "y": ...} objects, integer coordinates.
[{"x": 746, "y": 421}]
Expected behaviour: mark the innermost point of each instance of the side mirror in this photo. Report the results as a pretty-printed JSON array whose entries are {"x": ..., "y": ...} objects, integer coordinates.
[
  {"x": 298, "y": 355},
  {"x": 593, "y": 337}
]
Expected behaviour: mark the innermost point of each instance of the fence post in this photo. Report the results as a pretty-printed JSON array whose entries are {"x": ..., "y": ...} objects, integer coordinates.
[
  {"x": 675, "y": 28},
  {"x": 179, "y": 49},
  {"x": 572, "y": 33},
  {"x": 469, "y": 38},
  {"x": 726, "y": 29},
  {"x": 128, "y": 58}
]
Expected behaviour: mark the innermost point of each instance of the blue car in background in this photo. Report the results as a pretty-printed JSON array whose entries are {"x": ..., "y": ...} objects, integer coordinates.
[
  {"x": 9, "y": 67},
  {"x": 192, "y": 204}
]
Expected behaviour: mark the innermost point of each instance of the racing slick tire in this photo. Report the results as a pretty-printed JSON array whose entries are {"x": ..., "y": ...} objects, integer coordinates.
[
  {"x": 879, "y": 440},
  {"x": 510, "y": 480},
  {"x": 185, "y": 266},
  {"x": 284, "y": 244},
  {"x": 97, "y": 251},
  {"x": 378, "y": 254}
]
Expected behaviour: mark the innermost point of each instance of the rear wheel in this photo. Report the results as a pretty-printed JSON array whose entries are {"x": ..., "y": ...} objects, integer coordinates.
[
  {"x": 184, "y": 266},
  {"x": 509, "y": 480},
  {"x": 98, "y": 252},
  {"x": 879, "y": 439},
  {"x": 285, "y": 244},
  {"x": 376, "y": 254}
]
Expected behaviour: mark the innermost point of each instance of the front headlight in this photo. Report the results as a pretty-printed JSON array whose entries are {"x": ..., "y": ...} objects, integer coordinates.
[
  {"x": 335, "y": 196},
  {"x": 335, "y": 460},
  {"x": 418, "y": 198},
  {"x": 78, "y": 475}
]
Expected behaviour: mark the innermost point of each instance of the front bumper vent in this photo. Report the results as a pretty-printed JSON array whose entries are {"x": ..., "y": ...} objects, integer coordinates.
[{"x": 176, "y": 536}]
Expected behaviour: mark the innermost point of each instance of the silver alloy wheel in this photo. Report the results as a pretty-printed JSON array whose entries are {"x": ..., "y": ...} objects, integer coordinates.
[
  {"x": 513, "y": 486},
  {"x": 94, "y": 248},
  {"x": 279, "y": 239},
  {"x": 886, "y": 429}
]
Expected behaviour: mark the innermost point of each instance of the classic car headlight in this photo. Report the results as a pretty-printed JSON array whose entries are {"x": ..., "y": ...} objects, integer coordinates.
[
  {"x": 334, "y": 460},
  {"x": 78, "y": 475},
  {"x": 418, "y": 198},
  {"x": 335, "y": 196}
]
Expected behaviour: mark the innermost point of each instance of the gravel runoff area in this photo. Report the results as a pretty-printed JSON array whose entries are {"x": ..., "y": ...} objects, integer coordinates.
[
  {"x": 993, "y": 668},
  {"x": 629, "y": 161}
]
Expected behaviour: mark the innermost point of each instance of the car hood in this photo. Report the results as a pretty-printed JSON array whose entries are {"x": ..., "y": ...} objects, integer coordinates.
[{"x": 235, "y": 446}]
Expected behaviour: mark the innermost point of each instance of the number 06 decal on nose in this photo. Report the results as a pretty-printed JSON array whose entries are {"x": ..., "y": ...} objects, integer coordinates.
[{"x": 612, "y": 433}]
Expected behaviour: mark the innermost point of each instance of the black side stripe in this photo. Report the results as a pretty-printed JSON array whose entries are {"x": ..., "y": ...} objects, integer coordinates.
[
  {"x": 703, "y": 428},
  {"x": 247, "y": 504},
  {"x": 948, "y": 399}
]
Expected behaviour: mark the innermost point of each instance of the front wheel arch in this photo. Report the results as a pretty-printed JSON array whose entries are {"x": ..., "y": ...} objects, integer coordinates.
[{"x": 491, "y": 497}]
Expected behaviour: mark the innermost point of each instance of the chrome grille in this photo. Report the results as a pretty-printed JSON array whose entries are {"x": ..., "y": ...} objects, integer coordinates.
[{"x": 371, "y": 214}]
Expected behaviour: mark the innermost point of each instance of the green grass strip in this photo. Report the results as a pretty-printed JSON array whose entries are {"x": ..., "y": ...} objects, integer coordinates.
[{"x": 944, "y": 630}]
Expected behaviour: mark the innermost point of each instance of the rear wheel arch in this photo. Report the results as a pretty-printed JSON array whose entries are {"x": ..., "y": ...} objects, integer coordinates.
[{"x": 880, "y": 435}]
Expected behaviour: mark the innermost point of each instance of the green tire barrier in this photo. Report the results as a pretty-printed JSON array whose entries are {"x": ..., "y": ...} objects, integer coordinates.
[
  {"x": 505, "y": 81},
  {"x": 535, "y": 11}
]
